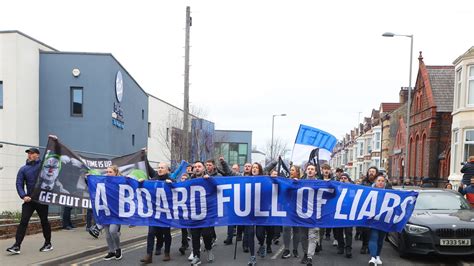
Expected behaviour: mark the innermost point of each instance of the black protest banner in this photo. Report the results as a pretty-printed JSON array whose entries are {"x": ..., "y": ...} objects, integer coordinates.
[{"x": 62, "y": 179}]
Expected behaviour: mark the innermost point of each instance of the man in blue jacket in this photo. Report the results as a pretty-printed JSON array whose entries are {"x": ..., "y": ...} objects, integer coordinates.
[{"x": 28, "y": 174}]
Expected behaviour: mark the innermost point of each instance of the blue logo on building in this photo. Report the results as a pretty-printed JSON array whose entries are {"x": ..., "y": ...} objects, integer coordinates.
[{"x": 117, "y": 114}]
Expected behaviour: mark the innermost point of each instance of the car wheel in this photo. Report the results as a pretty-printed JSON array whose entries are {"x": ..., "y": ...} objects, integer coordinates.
[{"x": 392, "y": 239}]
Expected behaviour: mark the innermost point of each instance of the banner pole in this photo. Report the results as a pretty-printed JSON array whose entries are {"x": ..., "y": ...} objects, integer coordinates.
[{"x": 235, "y": 247}]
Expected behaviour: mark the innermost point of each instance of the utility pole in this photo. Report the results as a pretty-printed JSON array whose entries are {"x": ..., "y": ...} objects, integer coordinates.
[{"x": 186, "y": 88}]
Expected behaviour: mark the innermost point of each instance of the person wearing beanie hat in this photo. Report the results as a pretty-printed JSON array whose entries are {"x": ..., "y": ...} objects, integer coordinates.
[
  {"x": 347, "y": 176},
  {"x": 344, "y": 235}
]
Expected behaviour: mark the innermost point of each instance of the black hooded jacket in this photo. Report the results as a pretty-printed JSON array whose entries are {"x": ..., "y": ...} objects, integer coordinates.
[
  {"x": 162, "y": 177},
  {"x": 468, "y": 171}
]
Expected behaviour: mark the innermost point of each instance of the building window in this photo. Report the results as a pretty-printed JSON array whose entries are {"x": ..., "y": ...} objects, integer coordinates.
[
  {"x": 149, "y": 129},
  {"x": 369, "y": 146},
  {"x": 243, "y": 150},
  {"x": 376, "y": 162},
  {"x": 361, "y": 149},
  {"x": 469, "y": 144},
  {"x": 455, "y": 150},
  {"x": 457, "y": 101},
  {"x": 395, "y": 167},
  {"x": 1, "y": 94},
  {"x": 76, "y": 101},
  {"x": 167, "y": 134},
  {"x": 234, "y": 153},
  {"x": 377, "y": 141},
  {"x": 143, "y": 114},
  {"x": 470, "y": 92},
  {"x": 417, "y": 100},
  {"x": 133, "y": 139},
  {"x": 422, "y": 157}
]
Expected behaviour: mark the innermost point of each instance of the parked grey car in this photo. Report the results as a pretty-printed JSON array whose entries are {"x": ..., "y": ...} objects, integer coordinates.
[{"x": 442, "y": 223}]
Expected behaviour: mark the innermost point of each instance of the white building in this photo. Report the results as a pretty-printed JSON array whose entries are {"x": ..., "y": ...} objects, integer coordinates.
[
  {"x": 462, "y": 142},
  {"x": 20, "y": 124},
  {"x": 19, "y": 107},
  {"x": 162, "y": 118}
]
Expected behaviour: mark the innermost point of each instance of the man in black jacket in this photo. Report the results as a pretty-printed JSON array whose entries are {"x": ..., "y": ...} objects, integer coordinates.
[
  {"x": 326, "y": 176},
  {"x": 212, "y": 171},
  {"x": 227, "y": 171},
  {"x": 205, "y": 232},
  {"x": 468, "y": 171},
  {"x": 343, "y": 235},
  {"x": 163, "y": 234},
  {"x": 28, "y": 174}
]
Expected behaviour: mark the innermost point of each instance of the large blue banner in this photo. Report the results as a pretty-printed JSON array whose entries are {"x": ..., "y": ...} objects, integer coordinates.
[{"x": 258, "y": 200}]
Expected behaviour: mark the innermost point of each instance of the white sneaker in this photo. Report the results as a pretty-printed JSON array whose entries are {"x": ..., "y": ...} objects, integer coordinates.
[
  {"x": 210, "y": 256},
  {"x": 378, "y": 260},
  {"x": 191, "y": 256},
  {"x": 334, "y": 243},
  {"x": 373, "y": 262},
  {"x": 196, "y": 261}
]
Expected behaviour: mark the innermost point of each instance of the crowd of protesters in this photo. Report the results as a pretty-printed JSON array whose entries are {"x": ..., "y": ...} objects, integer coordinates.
[
  {"x": 257, "y": 240},
  {"x": 203, "y": 239}
]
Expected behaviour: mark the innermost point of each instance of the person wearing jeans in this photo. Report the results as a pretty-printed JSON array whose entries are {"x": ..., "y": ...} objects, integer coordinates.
[
  {"x": 67, "y": 223},
  {"x": 377, "y": 237},
  {"x": 314, "y": 238},
  {"x": 113, "y": 241},
  {"x": 376, "y": 240},
  {"x": 295, "y": 174},
  {"x": 28, "y": 174},
  {"x": 287, "y": 232},
  {"x": 112, "y": 230},
  {"x": 311, "y": 234}
]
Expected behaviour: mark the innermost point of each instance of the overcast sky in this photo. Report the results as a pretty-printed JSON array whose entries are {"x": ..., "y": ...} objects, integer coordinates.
[{"x": 320, "y": 62}]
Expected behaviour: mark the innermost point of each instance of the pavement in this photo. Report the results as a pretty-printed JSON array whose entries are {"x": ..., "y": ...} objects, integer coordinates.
[{"x": 68, "y": 245}]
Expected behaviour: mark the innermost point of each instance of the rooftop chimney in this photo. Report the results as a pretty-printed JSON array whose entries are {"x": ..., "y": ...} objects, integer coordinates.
[{"x": 403, "y": 95}]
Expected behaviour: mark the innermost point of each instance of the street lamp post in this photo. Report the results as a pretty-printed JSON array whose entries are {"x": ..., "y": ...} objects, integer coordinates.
[
  {"x": 273, "y": 129},
  {"x": 407, "y": 142}
]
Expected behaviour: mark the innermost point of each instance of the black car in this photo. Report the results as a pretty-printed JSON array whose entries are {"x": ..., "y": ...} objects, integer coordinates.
[{"x": 442, "y": 223}]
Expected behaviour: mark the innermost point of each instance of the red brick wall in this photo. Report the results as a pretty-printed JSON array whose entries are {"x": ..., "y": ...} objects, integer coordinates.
[{"x": 437, "y": 129}]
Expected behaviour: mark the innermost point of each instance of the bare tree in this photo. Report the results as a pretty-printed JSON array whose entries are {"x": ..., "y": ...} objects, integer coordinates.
[
  {"x": 280, "y": 148},
  {"x": 170, "y": 136}
]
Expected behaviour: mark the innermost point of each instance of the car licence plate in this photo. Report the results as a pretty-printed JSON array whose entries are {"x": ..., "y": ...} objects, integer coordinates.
[{"x": 455, "y": 242}]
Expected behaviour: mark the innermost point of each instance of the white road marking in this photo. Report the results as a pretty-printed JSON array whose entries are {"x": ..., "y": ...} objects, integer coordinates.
[
  {"x": 125, "y": 250},
  {"x": 278, "y": 252}
]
